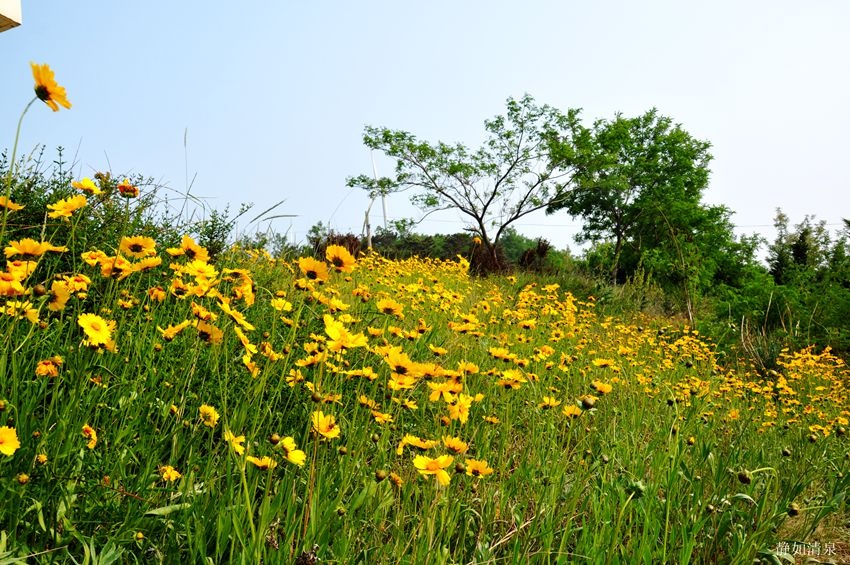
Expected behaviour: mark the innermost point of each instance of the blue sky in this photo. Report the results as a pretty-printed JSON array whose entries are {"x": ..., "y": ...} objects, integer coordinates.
[{"x": 274, "y": 95}]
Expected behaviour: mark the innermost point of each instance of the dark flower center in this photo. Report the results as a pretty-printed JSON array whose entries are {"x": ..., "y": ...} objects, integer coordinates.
[{"x": 42, "y": 92}]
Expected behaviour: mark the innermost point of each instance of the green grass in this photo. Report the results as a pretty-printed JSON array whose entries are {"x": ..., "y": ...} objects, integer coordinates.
[{"x": 659, "y": 469}]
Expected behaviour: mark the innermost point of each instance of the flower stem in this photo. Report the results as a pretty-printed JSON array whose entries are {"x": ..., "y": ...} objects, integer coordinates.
[{"x": 12, "y": 167}]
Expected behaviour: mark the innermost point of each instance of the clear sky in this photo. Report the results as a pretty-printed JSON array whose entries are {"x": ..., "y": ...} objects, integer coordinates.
[{"x": 274, "y": 95}]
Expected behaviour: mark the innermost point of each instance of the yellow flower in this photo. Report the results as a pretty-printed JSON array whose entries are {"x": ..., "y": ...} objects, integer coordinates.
[
  {"x": 47, "y": 89},
  {"x": 10, "y": 284},
  {"x": 169, "y": 333},
  {"x": 381, "y": 417},
  {"x": 98, "y": 330},
  {"x": 138, "y": 246},
  {"x": 67, "y": 206},
  {"x": 549, "y": 402},
  {"x": 325, "y": 425},
  {"x": 146, "y": 264},
  {"x": 312, "y": 269},
  {"x": 340, "y": 258},
  {"x": 396, "y": 480},
  {"x": 437, "y": 467},
  {"x": 169, "y": 474},
  {"x": 265, "y": 462},
  {"x": 572, "y": 411},
  {"x": 8, "y": 440},
  {"x": 415, "y": 441},
  {"x": 475, "y": 468},
  {"x": 455, "y": 444},
  {"x": 391, "y": 307},
  {"x": 341, "y": 338},
  {"x": 293, "y": 454},
  {"x": 237, "y": 316},
  {"x": 87, "y": 185},
  {"x": 48, "y": 367},
  {"x": 31, "y": 248},
  {"x": 9, "y": 205},
  {"x": 190, "y": 249},
  {"x": 209, "y": 333},
  {"x": 235, "y": 442},
  {"x": 603, "y": 388},
  {"x": 59, "y": 295},
  {"x": 89, "y": 433},
  {"x": 127, "y": 190},
  {"x": 460, "y": 409},
  {"x": 209, "y": 415}
]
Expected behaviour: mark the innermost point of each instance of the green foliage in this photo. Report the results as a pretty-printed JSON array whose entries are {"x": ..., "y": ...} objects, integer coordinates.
[
  {"x": 640, "y": 200},
  {"x": 37, "y": 183}
]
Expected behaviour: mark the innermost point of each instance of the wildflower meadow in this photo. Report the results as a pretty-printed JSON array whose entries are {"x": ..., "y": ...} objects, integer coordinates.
[{"x": 160, "y": 404}]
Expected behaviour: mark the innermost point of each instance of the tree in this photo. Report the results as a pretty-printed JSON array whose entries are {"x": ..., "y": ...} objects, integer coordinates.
[
  {"x": 645, "y": 176},
  {"x": 510, "y": 176}
]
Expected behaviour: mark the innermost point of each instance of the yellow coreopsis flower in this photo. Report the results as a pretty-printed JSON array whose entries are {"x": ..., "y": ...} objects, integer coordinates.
[
  {"x": 169, "y": 474},
  {"x": 31, "y": 248},
  {"x": 48, "y": 367},
  {"x": 190, "y": 249},
  {"x": 437, "y": 467},
  {"x": 235, "y": 442},
  {"x": 391, "y": 307},
  {"x": 87, "y": 185},
  {"x": 98, "y": 330},
  {"x": 9, "y": 442},
  {"x": 169, "y": 333},
  {"x": 340, "y": 258},
  {"x": 9, "y": 205},
  {"x": 127, "y": 189},
  {"x": 549, "y": 402},
  {"x": 67, "y": 206},
  {"x": 325, "y": 425},
  {"x": 237, "y": 316},
  {"x": 137, "y": 246},
  {"x": 603, "y": 388},
  {"x": 293, "y": 454},
  {"x": 476, "y": 468},
  {"x": 209, "y": 415},
  {"x": 90, "y": 433},
  {"x": 455, "y": 444},
  {"x": 10, "y": 284},
  {"x": 47, "y": 89},
  {"x": 341, "y": 338},
  {"x": 312, "y": 269},
  {"x": 264, "y": 462}
]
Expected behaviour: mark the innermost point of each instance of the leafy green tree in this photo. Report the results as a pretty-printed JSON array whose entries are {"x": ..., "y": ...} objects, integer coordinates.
[
  {"x": 510, "y": 176},
  {"x": 640, "y": 191},
  {"x": 642, "y": 187}
]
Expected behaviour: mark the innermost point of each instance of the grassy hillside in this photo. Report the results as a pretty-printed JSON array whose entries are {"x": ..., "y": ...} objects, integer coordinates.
[{"x": 158, "y": 406}]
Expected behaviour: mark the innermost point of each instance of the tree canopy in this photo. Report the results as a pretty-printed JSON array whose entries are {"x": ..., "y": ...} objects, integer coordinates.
[
  {"x": 510, "y": 176},
  {"x": 644, "y": 180}
]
